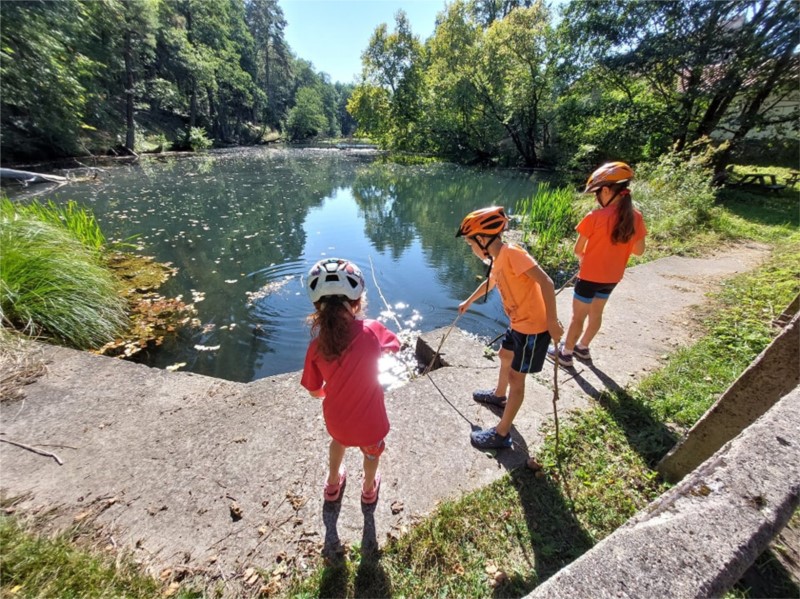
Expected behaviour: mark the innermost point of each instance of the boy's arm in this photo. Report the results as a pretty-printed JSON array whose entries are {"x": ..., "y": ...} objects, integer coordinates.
[
  {"x": 638, "y": 247},
  {"x": 481, "y": 290},
  {"x": 318, "y": 393},
  {"x": 549, "y": 295}
]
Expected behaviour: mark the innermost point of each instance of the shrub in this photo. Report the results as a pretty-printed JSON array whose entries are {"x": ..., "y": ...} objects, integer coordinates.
[
  {"x": 198, "y": 139},
  {"x": 54, "y": 285},
  {"x": 674, "y": 195}
]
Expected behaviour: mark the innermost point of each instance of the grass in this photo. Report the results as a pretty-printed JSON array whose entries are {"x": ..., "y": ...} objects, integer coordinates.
[
  {"x": 79, "y": 222},
  {"x": 54, "y": 286},
  {"x": 33, "y": 567},
  {"x": 682, "y": 391}
]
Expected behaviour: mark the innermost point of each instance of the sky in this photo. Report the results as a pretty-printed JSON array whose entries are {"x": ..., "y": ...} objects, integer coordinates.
[{"x": 332, "y": 34}]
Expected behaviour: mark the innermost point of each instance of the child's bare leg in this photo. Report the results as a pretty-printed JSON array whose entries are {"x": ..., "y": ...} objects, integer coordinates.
[
  {"x": 335, "y": 457},
  {"x": 595, "y": 320},
  {"x": 580, "y": 310},
  {"x": 506, "y": 357},
  {"x": 370, "y": 469},
  {"x": 516, "y": 394}
]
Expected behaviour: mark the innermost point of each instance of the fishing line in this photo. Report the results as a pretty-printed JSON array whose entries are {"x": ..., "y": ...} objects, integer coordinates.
[
  {"x": 411, "y": 375},
  {"x": 380, "y": 293},
  {"x": 448, "y": 401}
]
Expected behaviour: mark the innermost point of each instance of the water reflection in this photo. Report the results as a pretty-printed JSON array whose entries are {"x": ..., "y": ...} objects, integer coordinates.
[{"x": 244, "y": 226}]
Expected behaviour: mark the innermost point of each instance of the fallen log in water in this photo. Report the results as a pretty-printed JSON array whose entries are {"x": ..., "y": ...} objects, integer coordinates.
[{"x": 30, "y": 177}]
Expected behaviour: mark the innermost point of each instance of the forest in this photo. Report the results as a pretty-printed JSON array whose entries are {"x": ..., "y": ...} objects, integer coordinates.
[{"x": 500, "y": 82}]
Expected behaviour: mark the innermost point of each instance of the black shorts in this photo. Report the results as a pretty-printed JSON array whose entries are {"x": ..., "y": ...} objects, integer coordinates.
[
  {"x": 529, "y": 350},
  {"x": 586, "y": 291}
]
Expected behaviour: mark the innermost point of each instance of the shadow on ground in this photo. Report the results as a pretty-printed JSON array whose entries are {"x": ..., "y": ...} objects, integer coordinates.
[{"x": 371, "y": 579}]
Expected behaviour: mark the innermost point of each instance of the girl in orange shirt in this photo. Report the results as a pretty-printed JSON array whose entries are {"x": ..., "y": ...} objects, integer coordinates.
[{"x": 607, "y": 237}]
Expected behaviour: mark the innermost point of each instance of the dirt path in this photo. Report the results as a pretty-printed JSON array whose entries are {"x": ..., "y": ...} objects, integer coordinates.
[{"x": 191, "y": 472}]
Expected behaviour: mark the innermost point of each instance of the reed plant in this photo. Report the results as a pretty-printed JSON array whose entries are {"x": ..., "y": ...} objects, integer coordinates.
[
  {"x": 79, "y": 221},
  {"x": 548, "y": 219},
  {"x": 53, "y": 281}
]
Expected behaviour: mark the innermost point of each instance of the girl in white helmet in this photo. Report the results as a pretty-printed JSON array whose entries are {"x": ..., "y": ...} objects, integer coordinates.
[{"x": 341, "y": 367}]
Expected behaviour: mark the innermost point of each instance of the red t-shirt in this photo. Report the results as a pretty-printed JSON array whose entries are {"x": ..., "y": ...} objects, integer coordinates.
[
  {"x": 604, "y": 261},
  {"x": 353, "y": 407},
  {"x": 522, "y": 296}
]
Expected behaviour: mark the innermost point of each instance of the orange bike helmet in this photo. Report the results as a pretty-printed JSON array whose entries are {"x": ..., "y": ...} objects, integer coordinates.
[
  {"x": 486, "y": 221},
  {"x": 608, "y": 174}
]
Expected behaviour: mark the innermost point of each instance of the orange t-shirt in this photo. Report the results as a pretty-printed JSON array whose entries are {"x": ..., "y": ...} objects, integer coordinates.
[
  {"x": 604, "y": 261},
  {"x": 522, "y": 296}
]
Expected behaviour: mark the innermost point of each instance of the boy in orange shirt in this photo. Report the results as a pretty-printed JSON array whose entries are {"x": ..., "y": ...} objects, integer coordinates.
[
  {"x": 607, "y": 237},
  {"x": 529, "y": 300}
]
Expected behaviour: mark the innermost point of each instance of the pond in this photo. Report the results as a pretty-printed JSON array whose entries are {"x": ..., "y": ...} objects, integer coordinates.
[{"x": 244, "y": 226}]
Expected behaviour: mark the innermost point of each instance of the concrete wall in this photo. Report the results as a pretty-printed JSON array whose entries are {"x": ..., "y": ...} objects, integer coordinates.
[{"x": 698, "y": 538}]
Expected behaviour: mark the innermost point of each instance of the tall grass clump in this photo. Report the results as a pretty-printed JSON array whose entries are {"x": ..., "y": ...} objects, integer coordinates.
[
  {"x": 80, "y": 222},
  {"x": 548, "y": 219},
  {"x": 54, "y": 285},
  {"x": 675, "y": 196}
]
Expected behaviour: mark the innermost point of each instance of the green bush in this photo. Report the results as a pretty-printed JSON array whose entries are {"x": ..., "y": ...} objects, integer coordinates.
[
  {"x": 53, "y": 284},
  {"x": 198, "y": 139},
  {"x": 674, "y": 195}
]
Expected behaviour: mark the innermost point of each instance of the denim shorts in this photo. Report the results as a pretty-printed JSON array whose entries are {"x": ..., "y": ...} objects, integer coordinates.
[{"x": 529, "y": 350}]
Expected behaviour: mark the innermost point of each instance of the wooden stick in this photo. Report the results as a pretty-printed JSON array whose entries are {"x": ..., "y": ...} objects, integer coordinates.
[
  {"x": 34, "y": 450},
  {"x": 441, "y": 343}
]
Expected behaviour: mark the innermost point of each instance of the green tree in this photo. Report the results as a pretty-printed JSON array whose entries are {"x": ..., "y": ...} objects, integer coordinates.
[
  {"x": 307, "y": 118},
  {"x": 45, "y": 74},
  {"x": 461, "y": 124},
  {"x": 517, "y": 64},
  {"x": 393, "y": 62},
  {"x": 713, "y": 64},
  {"x": 274, "y": 61}
]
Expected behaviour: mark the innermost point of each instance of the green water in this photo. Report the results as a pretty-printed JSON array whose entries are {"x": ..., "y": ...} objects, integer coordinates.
[{"x": 244, "y": 226}]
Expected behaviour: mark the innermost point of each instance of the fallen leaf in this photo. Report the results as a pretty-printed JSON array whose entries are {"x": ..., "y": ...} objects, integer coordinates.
[
  {"x": 251, "y": 576},
  {"x": 236, "y": 511},
  {"x": 172, "y": 589},
  {"x": 397, "y": 507}
]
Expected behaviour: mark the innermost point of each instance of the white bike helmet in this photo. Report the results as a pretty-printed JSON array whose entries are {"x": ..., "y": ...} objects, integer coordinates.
[{"x": 334, "y": 276}]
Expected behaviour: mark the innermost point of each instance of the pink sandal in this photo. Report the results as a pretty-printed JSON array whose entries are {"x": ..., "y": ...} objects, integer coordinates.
[
  {"x": 370, "y": 497},
  {"x": 332, "y": 492}
]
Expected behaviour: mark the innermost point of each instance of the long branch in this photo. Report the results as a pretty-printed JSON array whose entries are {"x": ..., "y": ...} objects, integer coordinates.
[{"x": 34, "y": 450}]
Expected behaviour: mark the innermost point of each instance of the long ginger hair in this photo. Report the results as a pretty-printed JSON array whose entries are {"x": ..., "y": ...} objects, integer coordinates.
[
  {"x": 330, "y": 322},
  {"x": 624, "y": 227}
]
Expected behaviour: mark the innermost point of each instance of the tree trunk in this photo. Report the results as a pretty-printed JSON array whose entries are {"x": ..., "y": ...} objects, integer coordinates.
[{"x": 130, "y": 135}]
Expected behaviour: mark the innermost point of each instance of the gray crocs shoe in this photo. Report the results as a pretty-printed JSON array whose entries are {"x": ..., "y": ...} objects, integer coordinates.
[
  {"x": 489, "y": 439},
  {"x": 488, "y": 397}
]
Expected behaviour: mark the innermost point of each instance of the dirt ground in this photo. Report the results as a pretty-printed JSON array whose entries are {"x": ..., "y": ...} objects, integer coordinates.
[{"x": 200, "y": 476}]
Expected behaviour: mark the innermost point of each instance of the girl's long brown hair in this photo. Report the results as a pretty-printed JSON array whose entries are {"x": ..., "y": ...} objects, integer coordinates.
[
  {"x": 331, "y": 324},
  {"x": 624, "y": 227}
]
